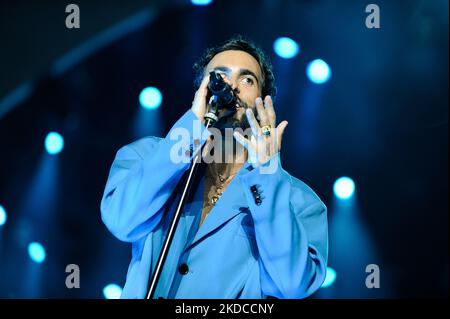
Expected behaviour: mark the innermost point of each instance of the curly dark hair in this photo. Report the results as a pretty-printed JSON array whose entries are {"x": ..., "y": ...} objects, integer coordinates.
[{"x": 242, "y": 44}]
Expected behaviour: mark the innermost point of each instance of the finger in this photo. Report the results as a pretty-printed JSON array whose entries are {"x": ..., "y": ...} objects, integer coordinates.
[
  {"x": 268, "y": 103},
  {"x": 273, "y": 141},
  {"x": 253, "y": 140},
  {"x": 241, "y": 140},
  {"x": 203, "y": 89},
  {"x": 263, "y": 119},
  {"x": 205, "y": 81},
  {"x": 280, "y": 131},
  {"x": 202, "y": 92},
  {"x": 256, "y": 130}
]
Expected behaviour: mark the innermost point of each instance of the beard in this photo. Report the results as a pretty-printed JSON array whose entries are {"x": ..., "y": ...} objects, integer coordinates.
[{"x": 232, "y": 120}]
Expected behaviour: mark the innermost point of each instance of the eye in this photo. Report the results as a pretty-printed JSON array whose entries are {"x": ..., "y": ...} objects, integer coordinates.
[{"x": 248, "y": 80}]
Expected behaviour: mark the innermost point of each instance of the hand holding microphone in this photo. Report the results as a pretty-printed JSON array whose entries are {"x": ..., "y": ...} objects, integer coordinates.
[
  {"x": 221, "y": 90},
  {"x": 219, "y": 93}
]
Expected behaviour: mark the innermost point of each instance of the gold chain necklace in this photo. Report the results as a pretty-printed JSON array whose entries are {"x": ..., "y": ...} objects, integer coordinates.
[{"x": 220, "y": 186}]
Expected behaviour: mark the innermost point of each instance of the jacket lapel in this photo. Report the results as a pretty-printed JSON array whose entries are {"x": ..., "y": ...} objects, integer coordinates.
[{"x": 231, "y": 203}]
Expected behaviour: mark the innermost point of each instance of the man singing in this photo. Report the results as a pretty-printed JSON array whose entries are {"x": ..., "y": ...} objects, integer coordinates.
[{"x": 248, "y": 228}]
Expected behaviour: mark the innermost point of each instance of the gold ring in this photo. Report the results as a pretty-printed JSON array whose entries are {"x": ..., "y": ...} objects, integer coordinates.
[{"x": 266, "y": 130}]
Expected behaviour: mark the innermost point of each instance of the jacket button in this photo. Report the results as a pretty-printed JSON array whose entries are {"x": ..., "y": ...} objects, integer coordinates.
[{"x": 183, "y": 269}]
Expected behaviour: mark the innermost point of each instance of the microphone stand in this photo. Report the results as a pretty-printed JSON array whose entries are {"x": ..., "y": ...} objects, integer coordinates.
[{"x": 211, "y": 118}]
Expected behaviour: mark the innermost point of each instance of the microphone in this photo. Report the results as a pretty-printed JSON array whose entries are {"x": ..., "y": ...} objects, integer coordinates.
[{"x": 222, "y": 91}]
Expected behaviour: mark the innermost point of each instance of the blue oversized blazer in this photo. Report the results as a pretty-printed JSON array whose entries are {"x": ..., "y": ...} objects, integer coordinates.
[{"x": 277, "y": 248}]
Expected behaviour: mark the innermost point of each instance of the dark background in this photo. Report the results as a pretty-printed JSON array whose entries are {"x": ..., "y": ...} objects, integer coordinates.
[{"x": 382, "y": 119}]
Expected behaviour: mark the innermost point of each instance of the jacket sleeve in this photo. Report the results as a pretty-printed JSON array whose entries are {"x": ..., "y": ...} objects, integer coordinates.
[
  {"x": 291, "y": 232},
  {"x": 143, "y": 176}
]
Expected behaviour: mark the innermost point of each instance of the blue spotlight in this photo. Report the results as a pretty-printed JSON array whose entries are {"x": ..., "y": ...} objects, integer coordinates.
[
  {"x": 329, "y": 278},
  {"x": 54, "y": 143},
  {"x": 36, "y": 252},
  {"x": 150, "y": 98},
  {"x": 318, "y": 71},
  {"x": 201, "y": 2},
  {"x": 3, "y": 216},
  {"x": 112, "y": 291},
  {"x": 344, "y": 187},
  {"x": 286, "y": 47}
]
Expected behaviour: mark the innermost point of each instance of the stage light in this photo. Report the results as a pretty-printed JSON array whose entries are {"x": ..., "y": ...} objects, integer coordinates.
[
  {"x": 150, "y": 98},
  {"x": 329, "y": 278},
  {"x": 54, "y": 143},
  {"x": 3, "y": 216},
  {"x": 344, "y": 187},
  {"x": 286, "y": 47},
  {"x": 112, "y": 291},
  {"x": 318, "y": 71},
  {"x": 36, "y": 252},
  {"x": 201, "y": 2}
]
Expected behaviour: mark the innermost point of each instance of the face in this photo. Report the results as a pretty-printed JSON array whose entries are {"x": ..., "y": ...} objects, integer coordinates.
[{"x": 243, "y": 73}]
